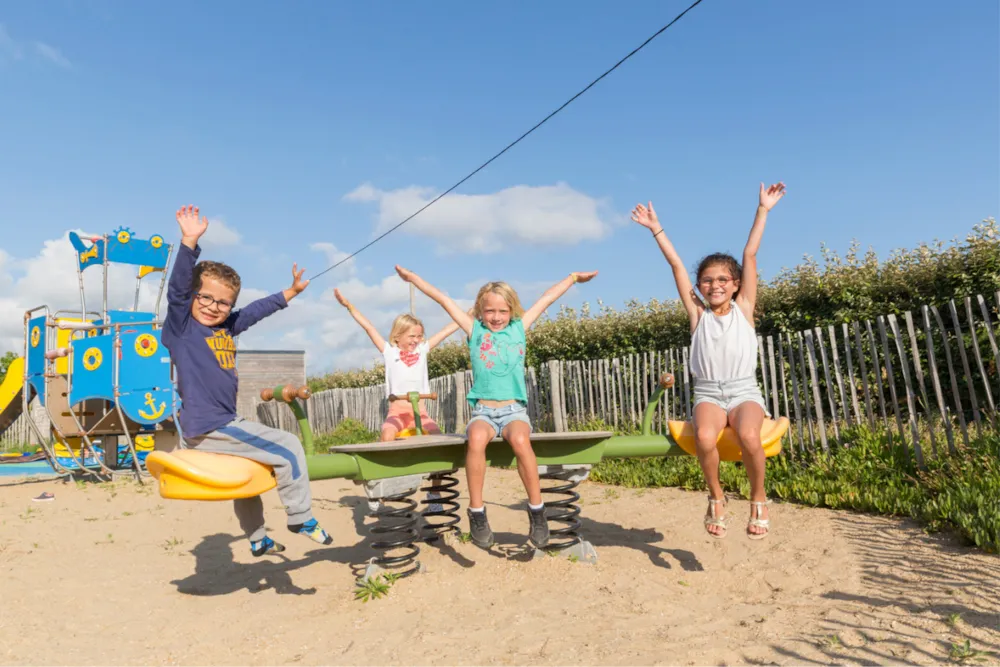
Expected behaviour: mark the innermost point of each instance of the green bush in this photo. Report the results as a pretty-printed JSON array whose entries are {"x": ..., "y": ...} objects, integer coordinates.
[
  {"x": 347, "y": 432},
  {"x": 956, "y": 492},
  {"x": 856, "y": 287}
]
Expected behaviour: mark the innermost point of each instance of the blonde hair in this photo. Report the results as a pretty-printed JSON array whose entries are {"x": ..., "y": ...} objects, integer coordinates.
[
  {"x": 503, "y": 290},
  {"x": 400, "y": 326}
]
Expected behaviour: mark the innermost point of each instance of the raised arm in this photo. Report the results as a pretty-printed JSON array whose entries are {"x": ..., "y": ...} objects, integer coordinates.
[
  {"x": 449, "y": 329},
  {"x": 747, "y": 296},
  {"x": 363, "y": 321},
  {"x": 179, "y": 292},
  {"x": 552, "y": 294},
  {"x": 692, "y": 304},
  {"x": 254, "y": 312},
  {"x": 462, "y": 318}
]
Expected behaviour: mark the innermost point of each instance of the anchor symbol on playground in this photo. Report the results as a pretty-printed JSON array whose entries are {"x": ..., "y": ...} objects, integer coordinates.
[{"x": 156, "y": 412}]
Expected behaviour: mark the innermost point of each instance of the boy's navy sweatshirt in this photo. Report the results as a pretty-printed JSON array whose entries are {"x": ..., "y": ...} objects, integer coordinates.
[{"x": 205, "y": 357}]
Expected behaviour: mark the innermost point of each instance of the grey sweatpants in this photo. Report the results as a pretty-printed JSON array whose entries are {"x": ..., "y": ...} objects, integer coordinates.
[{"x": 280, "y": 450}]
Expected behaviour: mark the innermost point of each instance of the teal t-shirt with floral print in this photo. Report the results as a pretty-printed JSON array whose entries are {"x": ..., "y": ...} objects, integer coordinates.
[{"x": 497, "y": 363}]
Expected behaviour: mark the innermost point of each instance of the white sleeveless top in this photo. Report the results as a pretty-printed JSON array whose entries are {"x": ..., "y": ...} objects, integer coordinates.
[
  {"x": 724, "y": 348},
  {"x": 406, "y": 371}
]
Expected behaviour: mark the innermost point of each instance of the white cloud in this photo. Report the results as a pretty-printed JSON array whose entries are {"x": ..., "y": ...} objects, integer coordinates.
[
  {"x": 52, "y": 54},
  {"x": 220, "y": 235},
  {"x": 14, "y": 49},
  {"x": 334, "y": 256},
  {"x": 547, "y": 215},
  {"x": 9, "y": 49}
]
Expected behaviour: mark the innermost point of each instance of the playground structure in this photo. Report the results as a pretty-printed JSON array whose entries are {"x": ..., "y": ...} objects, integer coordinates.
[
  {"x": 393, "y": 472},
  {"x": 101, "y": 376}
]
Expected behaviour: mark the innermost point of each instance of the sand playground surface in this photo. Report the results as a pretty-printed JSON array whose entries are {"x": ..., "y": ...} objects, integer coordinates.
[{"x": 113, "y": 574}]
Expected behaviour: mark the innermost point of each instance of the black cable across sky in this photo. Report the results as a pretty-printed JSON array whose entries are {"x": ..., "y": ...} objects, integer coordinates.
[{"x": 511, "y": 144}]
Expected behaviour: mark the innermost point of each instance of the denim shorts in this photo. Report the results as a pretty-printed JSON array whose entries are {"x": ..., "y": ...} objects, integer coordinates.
[
  {"x": 498, "y": 418},
  {"x": 728, "y": 394}
]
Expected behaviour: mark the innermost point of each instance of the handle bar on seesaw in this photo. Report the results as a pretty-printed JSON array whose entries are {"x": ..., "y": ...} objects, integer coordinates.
[
  {"x": 431, "y": 397},
  {"x": 286, "y": 393}
]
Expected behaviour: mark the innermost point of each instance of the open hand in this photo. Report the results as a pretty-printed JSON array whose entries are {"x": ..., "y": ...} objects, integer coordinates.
[
  {"x": 646, "y": 217},
  {"x": 770, "y": 196},
  {"x": 341, "y": 298},
  {"x": 191, "y": 226},
  {"x": 298, "y": 285},
  {"x": 584, "y": 276},
  {"x": 405, "y": 274}
]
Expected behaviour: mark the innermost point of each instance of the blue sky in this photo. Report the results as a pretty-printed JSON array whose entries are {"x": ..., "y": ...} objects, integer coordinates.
[{"x": 881, "y": 117}]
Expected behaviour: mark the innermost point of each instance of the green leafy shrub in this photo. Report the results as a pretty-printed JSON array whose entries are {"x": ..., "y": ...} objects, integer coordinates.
[{"x": 347, "y": 432}]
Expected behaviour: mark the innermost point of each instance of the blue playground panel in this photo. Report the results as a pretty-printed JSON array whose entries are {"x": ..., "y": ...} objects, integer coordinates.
[
  {"x": 35, "y": 363},
  {"x": 26, "y": 469},
  {"x": 87, "y": 255},
  {"x": 153, "y": 253},
  {"x": 145, "y": 390},
  {"x": 93, "y": 364}
]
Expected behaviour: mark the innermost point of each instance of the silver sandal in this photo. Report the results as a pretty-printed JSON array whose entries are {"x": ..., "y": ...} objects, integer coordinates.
[
  {"x": 757, "y": 522},
  {"x": 712, "y": 520}
]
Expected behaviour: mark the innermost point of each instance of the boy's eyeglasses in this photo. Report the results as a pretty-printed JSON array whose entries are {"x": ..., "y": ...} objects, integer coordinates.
[
  {"x": 206, "y": 300},
  {"x": 722, "y": 280}
]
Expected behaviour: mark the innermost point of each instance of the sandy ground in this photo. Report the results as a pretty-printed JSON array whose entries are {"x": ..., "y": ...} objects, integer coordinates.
[{"x": 113, "y": 574}]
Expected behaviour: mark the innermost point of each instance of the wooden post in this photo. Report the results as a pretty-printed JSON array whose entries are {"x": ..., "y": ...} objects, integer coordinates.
[
  {"x": 829, "y": 384},
  {"x": 979, "y": 361},
  {"x": 840, "y": 379},
  {"x": 988, "y": 325},
  {"x": 863, "y": 368},
  {"x": 910, "y": 396},
  {"x": 762, "y": 364},
  {"x": 775, "y": 394},
  {"x": 935, "y": 381},
  {"x": 891, "y": 381},
  {"x": 919, "y": 370},
  {"x": 804, "y": 378},
  {"x": 817, "y": 399},
  {"x": 957, "y": 397},
  {"x": 795, "y": 391},
  {"x": 851, "y": 379},
  {"x": 960, "y": 339},
  {"x": 877, "y": 372}
]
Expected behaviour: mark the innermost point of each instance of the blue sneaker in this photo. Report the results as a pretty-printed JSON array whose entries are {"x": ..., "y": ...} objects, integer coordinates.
[
  {"x": 265, "y": 546},
  {"x": 312, "y": 530}
]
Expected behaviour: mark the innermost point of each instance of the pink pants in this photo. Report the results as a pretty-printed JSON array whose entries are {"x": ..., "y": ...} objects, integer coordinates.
[{"x": 401, "y": 417}]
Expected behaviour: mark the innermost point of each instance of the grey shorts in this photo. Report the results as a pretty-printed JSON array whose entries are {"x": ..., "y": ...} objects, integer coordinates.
[
  {"x": 498, "y": 418},
  {"x": 728, "y": 394}
]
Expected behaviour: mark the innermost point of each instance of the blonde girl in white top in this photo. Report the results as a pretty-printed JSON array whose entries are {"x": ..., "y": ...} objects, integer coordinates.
[
  {"x": 405, "y": 357},
  {"x": 724, "y": 360}
]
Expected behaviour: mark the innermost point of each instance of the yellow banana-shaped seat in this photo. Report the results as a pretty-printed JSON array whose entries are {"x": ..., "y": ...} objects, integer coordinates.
[
  {"x": 187, "y": 474},
  {"x": 729, "y": 442}
]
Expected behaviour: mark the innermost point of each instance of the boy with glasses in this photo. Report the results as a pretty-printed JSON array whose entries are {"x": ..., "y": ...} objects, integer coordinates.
[{"x": 198, "y": 331}]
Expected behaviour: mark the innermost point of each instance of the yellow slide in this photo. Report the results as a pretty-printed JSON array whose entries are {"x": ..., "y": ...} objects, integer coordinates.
[
  {"x": 10, "y": 394},
  {"x": 729, "y": 443}
]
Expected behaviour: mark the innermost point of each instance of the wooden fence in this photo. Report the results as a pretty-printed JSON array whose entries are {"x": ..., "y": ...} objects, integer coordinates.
[{"x": 927, "y": 377}]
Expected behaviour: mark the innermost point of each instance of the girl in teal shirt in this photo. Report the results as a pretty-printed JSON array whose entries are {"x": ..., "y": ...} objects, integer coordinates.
[{"x": 496, "y": 335}]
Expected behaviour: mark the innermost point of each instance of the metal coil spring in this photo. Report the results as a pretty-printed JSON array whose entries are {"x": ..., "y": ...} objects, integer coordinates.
[
  {"x": 440, "y": 522},
  {"x": 397, "y": 526},
  {"x": 562, "y": 510}
]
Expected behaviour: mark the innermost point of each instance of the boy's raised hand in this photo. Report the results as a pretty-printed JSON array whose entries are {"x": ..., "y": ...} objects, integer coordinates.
[
  {"x": 646, "y": 217},
  {"x": 770, "y": 196},
  {"x": 298, "y": 285},
  {"x": 584, "y": 276},
  {"x": 192, "y": 227}
]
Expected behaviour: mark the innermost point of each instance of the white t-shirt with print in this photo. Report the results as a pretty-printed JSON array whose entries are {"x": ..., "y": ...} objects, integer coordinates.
[{"x": 406, "y": 371}]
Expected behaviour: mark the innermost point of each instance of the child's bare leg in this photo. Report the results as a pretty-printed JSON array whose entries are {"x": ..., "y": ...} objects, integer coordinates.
[
  {"x": 747, "y": 420},
  {"x": 518, "y": 435},
  {"x": 478, "y": 435},
  {"x": 389, "y": 432},
  {"x": 709, "y": 420}
]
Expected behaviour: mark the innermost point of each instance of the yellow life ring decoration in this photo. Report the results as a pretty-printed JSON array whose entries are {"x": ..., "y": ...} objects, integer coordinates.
[
  {"x": 36, "y": 336},
  {"x": 124, "y": 236},
  {"x": 156, "y": 241},
  {"x": 145, "y": 345},
  {"x": 92, "y": 359}
]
